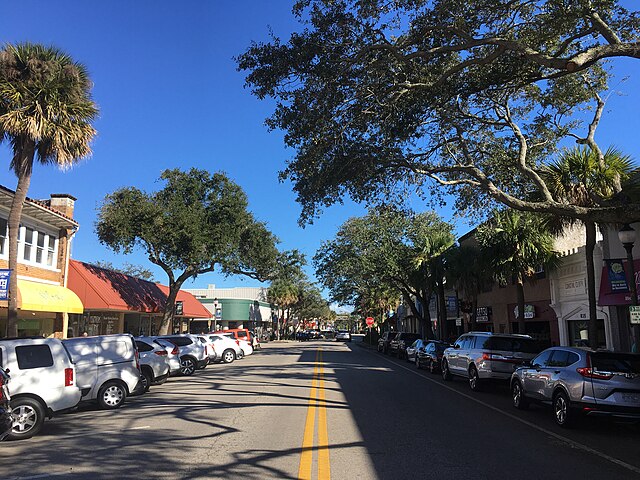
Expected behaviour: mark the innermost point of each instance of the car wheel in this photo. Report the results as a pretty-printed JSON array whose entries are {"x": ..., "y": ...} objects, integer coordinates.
[
  {"x": 446, "y": 374},
  {"x": 228, "y": 356},
  {"x": 517, "y": 396},
  {"x": 111, "y": 395},
  {"x": 187, "y": 366},
  {"x": 147, "y": 378},
  {"x": 28, "y": 417},
  {"x": 432, "y": 369},
  {"x": 474, "y": 379},
  {"x": 562, "y": 412}
]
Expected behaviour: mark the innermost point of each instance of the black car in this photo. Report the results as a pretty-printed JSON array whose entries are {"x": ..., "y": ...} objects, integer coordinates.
[
  {"x": 400, "y": 343},
  {"x": 384, "y": 340},
  {"x": 6, "y": 420},
  {"x": 430, "y": 356}
]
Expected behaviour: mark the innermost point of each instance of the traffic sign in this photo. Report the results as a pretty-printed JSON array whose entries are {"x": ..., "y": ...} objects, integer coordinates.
[
  {"x": 634, "y": 314},
  {"x": 369, "y": 321}
]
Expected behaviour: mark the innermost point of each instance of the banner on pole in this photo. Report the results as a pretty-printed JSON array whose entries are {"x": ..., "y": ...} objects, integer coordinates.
[
  {"x": 4, "y": 284},
  {"x": 617, "y": 275}
]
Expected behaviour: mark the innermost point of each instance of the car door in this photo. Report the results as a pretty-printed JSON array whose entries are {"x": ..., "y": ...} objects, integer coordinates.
[
  {"x": 453, "y": 357},
  {"x": 556, "y": 371},
  {"x": 534, "y": 378}
]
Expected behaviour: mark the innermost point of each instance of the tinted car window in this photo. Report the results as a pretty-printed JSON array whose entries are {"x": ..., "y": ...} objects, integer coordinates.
[
  {"x": 34, "y": 356},
  {"x": 616, "y": 362},
  {"x": 242, "y": 333},
  {"x": 524, "y": 345},
  {"x": 181, "y": 341},
  {"x": 542, "y": 359},
  {"x": 143, "y": 347},
  {"x": 562, "y": 358},
  {"x": 440, "y": 347}
]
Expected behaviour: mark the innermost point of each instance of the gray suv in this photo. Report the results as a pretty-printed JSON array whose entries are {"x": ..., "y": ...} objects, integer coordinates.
[
  {"x": 480, "y": 356},
  {"x": 580, "y": 381}
]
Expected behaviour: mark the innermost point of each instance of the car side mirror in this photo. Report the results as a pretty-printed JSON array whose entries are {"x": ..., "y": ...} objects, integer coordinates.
[{"x": 527, "y": 363}]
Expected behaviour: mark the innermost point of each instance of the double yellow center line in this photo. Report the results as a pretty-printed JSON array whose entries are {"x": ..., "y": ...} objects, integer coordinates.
[{"x": 317, "y": 404}]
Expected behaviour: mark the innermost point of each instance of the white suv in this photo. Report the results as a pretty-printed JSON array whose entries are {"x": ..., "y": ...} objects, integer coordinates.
[
  {"x": 43, "y": 381},
  {"x": 193, "y": 354},
  {"x": 227, "y": 348},
  {"x": 154, "y": 362}
]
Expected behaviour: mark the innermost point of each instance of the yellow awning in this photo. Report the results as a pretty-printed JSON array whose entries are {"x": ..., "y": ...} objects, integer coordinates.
[{"x": 42, "y": 297}]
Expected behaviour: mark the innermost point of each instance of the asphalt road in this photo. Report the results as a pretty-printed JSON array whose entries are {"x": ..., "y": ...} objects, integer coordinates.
[{"x": 321, "y": 410}]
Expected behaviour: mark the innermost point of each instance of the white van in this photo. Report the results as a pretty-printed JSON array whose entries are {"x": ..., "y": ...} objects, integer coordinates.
[
  {"x": 43, "y": 381},
  {"x": 107, "y": 368}
]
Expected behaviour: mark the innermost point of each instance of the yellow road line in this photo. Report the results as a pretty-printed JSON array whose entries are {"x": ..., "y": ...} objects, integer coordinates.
[
  {"x": 306, "y": 456},
  {"x": 316, "y": 398},
  {"x": 324, "y": 466}
]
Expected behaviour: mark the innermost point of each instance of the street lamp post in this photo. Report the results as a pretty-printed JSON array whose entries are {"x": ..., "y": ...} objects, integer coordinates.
[{"x": 627, "y": 236}]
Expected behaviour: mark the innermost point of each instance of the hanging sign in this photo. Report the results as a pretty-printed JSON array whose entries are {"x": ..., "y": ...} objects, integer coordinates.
[
  {"x": 4, "y": 284},
  {"x": 617, "y": 275}
]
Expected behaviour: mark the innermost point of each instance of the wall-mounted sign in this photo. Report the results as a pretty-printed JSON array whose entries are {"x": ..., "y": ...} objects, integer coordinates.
[
  {"x": 529, "y": 312},
  {"x": 634, "y": 314},
  {"x": 483, "y": 314},
  {"x": 179, "y": 307},
  {"x": 4, "y": 284},
  {"x": 617, "y": 275}
]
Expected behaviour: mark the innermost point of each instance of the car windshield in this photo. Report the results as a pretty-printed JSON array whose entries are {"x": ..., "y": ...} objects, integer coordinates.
[{"x": 616, "y": 362}]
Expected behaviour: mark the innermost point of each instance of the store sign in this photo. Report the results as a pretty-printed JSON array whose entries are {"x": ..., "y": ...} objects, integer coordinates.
[
  {"x": 179, "y": 307},
  {"x": 4, "y": 284},
  {"x": 617, "y": 276},
  {"x": 634, "y": 314},
  {"x": 529, "y": 312},
  {"x": 458, "y": 322},
  {"x": 483, "y": 314}
]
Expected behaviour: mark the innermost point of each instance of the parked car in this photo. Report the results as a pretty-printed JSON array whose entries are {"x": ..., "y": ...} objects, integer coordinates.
[
  {"x": 246, "y": 348},
  {"x": 227, "y": 347},
  {"x": 238, "y": 333},
  {"x": 193, "y": 354},
  {"x": 173, "y": 355},
  {"x": 384, "y": 340},
  {"x": 43, "y": 382},
  {"x": 255, "y": 341},
  {"x": 480, "y": 356},
  {"x": 343, "y": 336},
  {"x": 412, "y": 350},
  {"x": 430, "y": 355},
  {"x": 6, "y": 419},
  {"x": 398, "y": 344},
  {"x": 107, "y": 368},
  {"x": 577, "y": 381},
  {"x": 154, "y": 362},
  {"x": 209, "y": 348}
]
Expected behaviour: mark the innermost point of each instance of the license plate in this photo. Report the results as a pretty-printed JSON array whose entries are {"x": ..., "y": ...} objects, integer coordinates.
[{"x": 631, "y": 398}]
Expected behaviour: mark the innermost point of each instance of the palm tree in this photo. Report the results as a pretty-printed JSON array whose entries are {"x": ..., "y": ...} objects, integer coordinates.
[
  {"x": 518, "y": 244},
  {"x": 45, "y": 114},
  {"x": 581, "y": 177},
  {"x": 283, "y": 294}
]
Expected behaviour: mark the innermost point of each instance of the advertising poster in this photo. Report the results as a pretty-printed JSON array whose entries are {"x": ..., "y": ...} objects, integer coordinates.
[
  {"x": 617, "y": 276},
  {"x": 4, "y": 284}
]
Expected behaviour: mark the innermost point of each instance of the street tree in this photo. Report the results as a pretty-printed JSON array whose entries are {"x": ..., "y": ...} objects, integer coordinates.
[
  {"x": 578, "y": 176},
  {"x": 283, "y": 293},
  {"x": 462, "y": 97},
  {"x": 198, "y": 223},
  {"x": 46, "y": 115},
  {"x": 517, "y": 245},
  {"x": 385, "y": 250}
]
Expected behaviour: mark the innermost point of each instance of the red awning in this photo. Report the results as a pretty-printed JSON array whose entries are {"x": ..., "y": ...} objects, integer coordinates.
[
  {"x": 103, "y": 289},
  {"x": 607, "y": 297}
]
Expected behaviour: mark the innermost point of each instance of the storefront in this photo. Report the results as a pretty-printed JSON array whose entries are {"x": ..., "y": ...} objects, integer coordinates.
[
  {"x": 119, "y": 303},
  {"x": 540, "y": 322}
]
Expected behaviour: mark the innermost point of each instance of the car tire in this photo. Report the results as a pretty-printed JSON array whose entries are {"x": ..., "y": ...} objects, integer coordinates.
[
  {"x": 517, "y": 396},
  {"x": 446, "y": 374},
  {"x": 111, "y": 395},
  {"x": 562, "y": 411},
  {"x": 228, "y": 356},
  {"x": 28, "y": 417},
  {"x": 187, "y": 366},
  {"x": 147, "y": 379},
  {"x": 474, "y": 379}
]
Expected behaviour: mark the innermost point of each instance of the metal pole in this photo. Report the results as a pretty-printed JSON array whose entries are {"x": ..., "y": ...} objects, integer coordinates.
[{"x": 634, "y": 291}]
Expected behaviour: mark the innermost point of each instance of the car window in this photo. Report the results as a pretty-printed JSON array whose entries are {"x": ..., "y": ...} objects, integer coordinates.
[
  {"x": 242, "y": 333},
  {"x": 34, "y": 356},
  {"x": 525, "y": 345},
  {"x": 460, "y": 341},
  {"x": 180, "y": 341},
  {"x": 468, "y": 343},
  {"x": 562, "y": 358},
  {"x": 542, "y": 359},
  {"x": 415, "y": 344},
  {"x": 143, "y": 347},
  {"x": 615, "y": 362}
]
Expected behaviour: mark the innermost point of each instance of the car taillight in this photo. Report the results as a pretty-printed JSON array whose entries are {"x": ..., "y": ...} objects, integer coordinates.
[
  {"x": 175, "y": 351},
  {"x": 68, "y": 377},
  {"x": 588, "y": 372},
  {"x": 161, "y": 352}
]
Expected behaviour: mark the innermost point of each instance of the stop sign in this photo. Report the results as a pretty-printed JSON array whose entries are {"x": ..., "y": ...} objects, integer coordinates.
[{"x": 369, "y": 321}]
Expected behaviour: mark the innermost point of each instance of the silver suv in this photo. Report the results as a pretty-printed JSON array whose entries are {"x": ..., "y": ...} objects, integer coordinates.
[
  {"x": 580, "y": 381},
  {"x": 480, "y": 356}
]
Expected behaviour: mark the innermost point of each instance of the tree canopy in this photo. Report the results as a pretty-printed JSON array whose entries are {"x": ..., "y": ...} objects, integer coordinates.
[
  {"x": 197, "y": 223},
  {"x": 464, "y": 97}
]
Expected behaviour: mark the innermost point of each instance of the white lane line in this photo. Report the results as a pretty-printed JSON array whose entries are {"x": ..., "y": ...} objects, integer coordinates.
[{"x": 566, "y": 440}]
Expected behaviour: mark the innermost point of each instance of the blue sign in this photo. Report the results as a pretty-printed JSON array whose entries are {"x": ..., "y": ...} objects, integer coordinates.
[
  {"x": 4, "y": 284},
  {"x": 617, "y": 276}
]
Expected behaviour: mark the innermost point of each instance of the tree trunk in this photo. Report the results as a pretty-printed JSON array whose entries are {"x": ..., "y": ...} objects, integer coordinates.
[
  {"x": 474, "y": 313},
  {"x": 24, "y": 156},
  {"x": 169, "y": 309},
  {"x": 590, "y": 246},
  {"x": 442, "y": 310},
  {"x": 520, "y": 297}
]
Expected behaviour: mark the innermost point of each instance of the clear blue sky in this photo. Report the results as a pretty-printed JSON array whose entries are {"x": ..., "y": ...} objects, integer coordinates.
[{"x": 170, "y": 96}]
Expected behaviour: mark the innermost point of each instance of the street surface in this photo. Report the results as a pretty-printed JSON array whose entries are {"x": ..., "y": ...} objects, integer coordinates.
[{"x": 321, "y": 410}]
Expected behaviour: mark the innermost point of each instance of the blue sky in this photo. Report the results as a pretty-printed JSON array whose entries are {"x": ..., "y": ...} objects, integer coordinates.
[{"x": 170, "y": 96}]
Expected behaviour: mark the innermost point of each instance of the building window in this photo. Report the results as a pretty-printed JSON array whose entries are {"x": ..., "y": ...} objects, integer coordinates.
[
  {"x": 37, "y": 247},
  {"x": 51, "y": 250},
  {"x": 3, "y": 236},
  {"x": 28, "y": 244}
]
